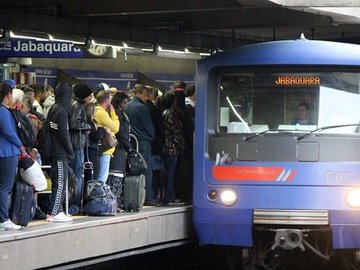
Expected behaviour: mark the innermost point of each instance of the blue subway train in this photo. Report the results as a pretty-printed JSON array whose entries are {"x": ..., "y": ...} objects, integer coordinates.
[{"x": 277, "y": 160}]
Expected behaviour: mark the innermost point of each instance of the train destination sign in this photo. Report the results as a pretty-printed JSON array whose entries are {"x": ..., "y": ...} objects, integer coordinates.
[{"x": 297, "y": 80}]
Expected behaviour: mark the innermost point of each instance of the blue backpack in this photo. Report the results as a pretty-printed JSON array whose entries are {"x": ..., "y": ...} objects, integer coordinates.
[
  {"x": 45, "y": 140},
  {"x": 101, "y": 206},
  {"x": 102, "y": 202}
]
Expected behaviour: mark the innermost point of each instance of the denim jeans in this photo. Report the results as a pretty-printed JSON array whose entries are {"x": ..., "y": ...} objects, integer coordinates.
[
  {"x": 76, "y": 165},
  {"x": 145, "y": 150},
  {"x": 7, "y": 177},
  {"x": 170, "y": 168},
  {"x": 104, "y": 167}
]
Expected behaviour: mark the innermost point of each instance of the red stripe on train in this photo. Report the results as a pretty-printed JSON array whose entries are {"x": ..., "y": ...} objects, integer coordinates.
[{"x": 247, "y": 173}]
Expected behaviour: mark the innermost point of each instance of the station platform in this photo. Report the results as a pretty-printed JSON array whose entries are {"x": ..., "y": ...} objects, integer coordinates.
[{"x": 90, "y": 240}]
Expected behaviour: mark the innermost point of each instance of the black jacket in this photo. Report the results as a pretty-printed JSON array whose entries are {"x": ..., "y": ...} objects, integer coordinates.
[
  {"x": 140, "y": 119},
  {"x": 95, "y": 135},
  {"x": 59, "y": 124},
  {"x": 118, "y": 161},
  {"x": 123, "y": 133},
  {"x": 78, "y": 124},
  {"x": 188, "y": 126},
  {"x": 157, "y": 144}
]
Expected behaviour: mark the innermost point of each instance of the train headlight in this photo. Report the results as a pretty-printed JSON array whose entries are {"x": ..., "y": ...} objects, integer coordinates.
[
  {"x": 212, "y": 194},
  {"x": 228, "y": 197},
  {"x": 353, "y": 198}
]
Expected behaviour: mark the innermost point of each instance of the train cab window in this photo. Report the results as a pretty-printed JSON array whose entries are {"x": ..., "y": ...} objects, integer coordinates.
[{"x": 291, "y": 101}]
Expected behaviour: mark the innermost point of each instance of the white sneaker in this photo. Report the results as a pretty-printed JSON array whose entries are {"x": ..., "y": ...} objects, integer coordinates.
[
  {"x": 8, "y": 225},
  {"x": 176, "y": 202},
  {"x": 60, "y": 217},
  {"x": 68, "y": 216}
]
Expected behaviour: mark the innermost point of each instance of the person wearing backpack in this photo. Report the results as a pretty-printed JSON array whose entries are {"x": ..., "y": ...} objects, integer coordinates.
[
  {"x": 20, "y": 108},
  {"x": 61, "y": 152},
  {"x": 11, "y": 146},
  {"x": 25, "y": 128}
]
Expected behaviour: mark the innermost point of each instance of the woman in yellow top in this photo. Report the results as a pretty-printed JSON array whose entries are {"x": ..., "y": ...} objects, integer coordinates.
[{"x": 106, "y": 117}]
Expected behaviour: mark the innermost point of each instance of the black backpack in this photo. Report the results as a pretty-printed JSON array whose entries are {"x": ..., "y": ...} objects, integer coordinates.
[
  {"x": 25, "y": 128},
  {"x": 45, "y": 141}
]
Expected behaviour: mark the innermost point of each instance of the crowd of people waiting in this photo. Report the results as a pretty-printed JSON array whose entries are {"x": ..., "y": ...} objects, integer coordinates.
[{"x": 79, "y": 117}]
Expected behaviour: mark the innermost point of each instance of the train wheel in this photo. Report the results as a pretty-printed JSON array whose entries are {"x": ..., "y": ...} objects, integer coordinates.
[
  {"x": 248, "y": 262},
  {"x": 269, "y": 259},
  {"x": 346, "y": 259},
  {"x": 245, "y": 255},
  {"x": 352, "y": 262},
  {"x": 240, "y": 259},
  {"x": 357, "y": 258}
]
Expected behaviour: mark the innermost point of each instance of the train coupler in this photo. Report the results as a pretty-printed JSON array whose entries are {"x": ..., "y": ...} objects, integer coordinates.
[{"x": 289, "y": 239}]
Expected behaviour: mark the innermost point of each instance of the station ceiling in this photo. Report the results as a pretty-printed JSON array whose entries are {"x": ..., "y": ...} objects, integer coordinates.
[{"x": 197, "y": 24}]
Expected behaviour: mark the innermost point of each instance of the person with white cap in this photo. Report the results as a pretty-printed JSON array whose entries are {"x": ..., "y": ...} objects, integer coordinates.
[
  {"x": 106, "y": 117},
  {"x": 101, "y": 86}
]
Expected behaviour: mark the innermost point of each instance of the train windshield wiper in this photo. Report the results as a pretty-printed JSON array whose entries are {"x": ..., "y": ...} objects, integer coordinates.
[
  {"x": 323, "y": 128},
  {"x": 256, "y": 135}
]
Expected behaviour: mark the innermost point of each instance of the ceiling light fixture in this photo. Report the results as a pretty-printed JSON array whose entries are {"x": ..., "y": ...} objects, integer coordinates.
[
  {"x": 52, "y": 38},
  {"x": 12, "y": 35}
]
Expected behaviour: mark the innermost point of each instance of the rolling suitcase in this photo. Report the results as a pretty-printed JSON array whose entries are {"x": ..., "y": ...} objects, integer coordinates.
[
  {"x": 23, "y": 204},
  {"x": 88, "y": 175},
  {"x": 134, "y": 193},
  {"x": 88, "y": 172}
]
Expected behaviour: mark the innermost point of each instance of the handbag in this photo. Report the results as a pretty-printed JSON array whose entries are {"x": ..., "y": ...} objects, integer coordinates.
[
  {"x": 107, "y": 142},
  {"x": 136, "y": 164},
  {"x": 31, "y": 172}
]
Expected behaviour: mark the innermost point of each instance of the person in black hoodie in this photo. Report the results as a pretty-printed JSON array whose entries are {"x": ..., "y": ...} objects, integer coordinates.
[
  {"x": 79, "y": 129},
  {"x": 62, "y": 152}
]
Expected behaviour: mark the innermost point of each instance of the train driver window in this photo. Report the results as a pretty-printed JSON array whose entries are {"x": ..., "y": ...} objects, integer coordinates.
[{"x": 291, "y": 101}]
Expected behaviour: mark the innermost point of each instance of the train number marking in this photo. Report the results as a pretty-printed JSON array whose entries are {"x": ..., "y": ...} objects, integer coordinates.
[{"x": 337, "y": 176}]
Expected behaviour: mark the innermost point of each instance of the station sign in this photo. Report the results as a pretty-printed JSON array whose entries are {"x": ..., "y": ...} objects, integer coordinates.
[
  {"x": 49, "y": 49},
  {"x": 39, "y": 49}
]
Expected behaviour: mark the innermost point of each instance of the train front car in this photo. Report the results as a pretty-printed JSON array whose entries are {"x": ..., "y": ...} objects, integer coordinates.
[{"x": 277, "y": 160}]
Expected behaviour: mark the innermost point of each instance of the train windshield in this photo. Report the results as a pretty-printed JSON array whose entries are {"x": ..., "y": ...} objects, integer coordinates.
[{"x": 289, "y": 101}]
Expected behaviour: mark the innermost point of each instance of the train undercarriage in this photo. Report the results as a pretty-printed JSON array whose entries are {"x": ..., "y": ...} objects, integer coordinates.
[{"x": 288, "y": 248}]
